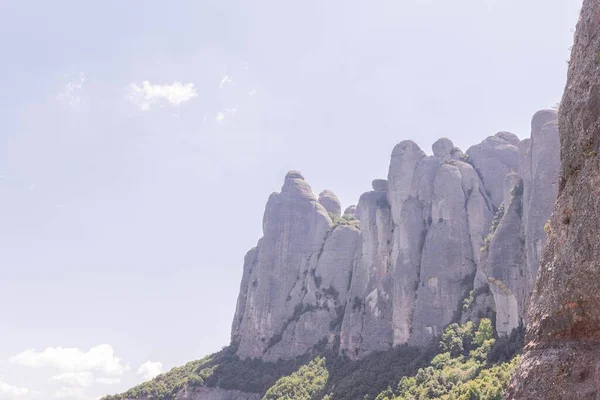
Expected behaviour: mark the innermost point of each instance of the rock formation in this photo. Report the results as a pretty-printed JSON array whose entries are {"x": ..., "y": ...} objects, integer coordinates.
[
  {"x": 562, "y": 358},
  {"x": 446, "y": 236},
  {"x": 514, "y": 246},
  {"x": 295, "y": 280},
  {"x": 330, "y": 202}
]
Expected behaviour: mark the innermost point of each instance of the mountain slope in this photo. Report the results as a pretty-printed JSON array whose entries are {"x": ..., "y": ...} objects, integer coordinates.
[{"x": 448, "y": 238}]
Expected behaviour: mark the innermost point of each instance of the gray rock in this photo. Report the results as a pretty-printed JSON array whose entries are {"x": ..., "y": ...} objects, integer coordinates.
[
  {"x": 380, "y": 185},
  {"x": 323, "y": 304},
  {"x": 447, "y": 265},
  {"x": 330, "y": 202},
  {"x": 404, "y": 275},
  {"x": 442, "y": 147},
  {"x": 350, "y": 210},
  {"x": 405, "y": 158},
  {"x": 295, "y": 227},
  {"x": 494, "y": 158},
  {"x": 540, "y": 190},
  {"x": 366, "y": 326},
  {"x": 509, "y": 137},
  {"x": 505, "y": 261}
]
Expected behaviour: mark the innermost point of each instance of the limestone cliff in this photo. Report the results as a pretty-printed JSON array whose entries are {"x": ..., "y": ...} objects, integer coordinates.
[
  {"x": 445, "y": 235},
  {"x": 562, "y": 358}
]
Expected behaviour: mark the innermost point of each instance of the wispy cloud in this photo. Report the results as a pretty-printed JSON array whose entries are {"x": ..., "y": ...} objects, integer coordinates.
[
  {"x": 77, "y": 379},
  {"x": 100, "y": 358},
  {"x": 148, "y": 95},
  {"x": 10, "y": 392},
  {"x": 225, "y": 113},
  {"x": 225, "y": 81},
  {"x": 75, "y": 393},
  {"x": 108, "y": 381},
  {"x": 71, "y": 92},
  {"x": 149, "y": 370}
]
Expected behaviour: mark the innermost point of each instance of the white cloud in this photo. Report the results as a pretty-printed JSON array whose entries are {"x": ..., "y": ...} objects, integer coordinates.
[
  {"x": 79, "y": 379},
  {"x": 148, "y": 95},
  {"x": 71, "y": 92},
  {"x": 70, "y": 393},
  {"x": 100, "y": 358},
  {"x": 226, "y": 81},
  {"x": 149, "y": 369},
  {"x": 252, "y": 92},
  {"x": 227, "y": 112},
  {"x": 108, "y": 381},
  {"x": 10, "y": 392}
]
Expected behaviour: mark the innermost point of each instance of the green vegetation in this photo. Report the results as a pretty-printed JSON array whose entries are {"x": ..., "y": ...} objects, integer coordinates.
[
  {"x": 165, "y": 386},
  {"x": 468, "y": 301},
  {"x": 495, "y": 223},
  {"x": 462, "y": 371},
  {"x": 466, "y": 364},
  {"x": 302, "y": 384},
  {"x": 345, "y": 219}
]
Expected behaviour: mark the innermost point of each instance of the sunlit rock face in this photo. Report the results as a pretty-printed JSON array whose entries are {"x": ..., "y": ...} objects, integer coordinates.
[{"x": 448, "y": 236}]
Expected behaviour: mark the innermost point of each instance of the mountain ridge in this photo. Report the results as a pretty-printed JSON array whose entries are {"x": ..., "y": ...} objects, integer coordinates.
[{"x": 449, "y": 237}]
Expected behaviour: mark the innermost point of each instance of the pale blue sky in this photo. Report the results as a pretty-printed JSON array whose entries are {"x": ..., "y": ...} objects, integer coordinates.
[{"x": 126, "y": 210}]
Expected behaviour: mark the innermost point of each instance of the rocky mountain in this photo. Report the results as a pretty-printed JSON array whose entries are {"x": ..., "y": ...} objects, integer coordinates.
[
  {"x": 562, "y": 358},
  {"x": 446, "y": 237}
]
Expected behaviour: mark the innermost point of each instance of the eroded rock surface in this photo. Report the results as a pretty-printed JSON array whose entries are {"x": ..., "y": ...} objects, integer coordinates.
[
  {"x": 330, "y": 202},
  {"x": 418, "y": 252}
]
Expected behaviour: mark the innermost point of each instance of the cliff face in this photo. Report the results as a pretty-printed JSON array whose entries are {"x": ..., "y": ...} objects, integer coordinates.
[
  {"x": 512, "y": 257},
  {"x": 562, "y": 358},
  {"x": 407, "y": 260}
]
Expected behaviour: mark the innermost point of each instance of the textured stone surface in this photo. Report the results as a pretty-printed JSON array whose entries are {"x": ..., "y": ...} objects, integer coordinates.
[
  {"x": 448, "y": 262},
  {"x": 494, "y": 158},
  {"x": 505, "y": 260},
  {"x": 405, "y": 274},
  {"x": 366, "y": 326},
  {"x": 443, "y": 147},
  {"x": 513, "y": 254},
  {"x": 330, "y": 202},
  {"x": 380, "y": 185},
  {"x": 350, "y": 210},
  {"x": 562, "y": 358},
  {"x": 540, "y": 191},
  {"x": 295, "y": 227}
]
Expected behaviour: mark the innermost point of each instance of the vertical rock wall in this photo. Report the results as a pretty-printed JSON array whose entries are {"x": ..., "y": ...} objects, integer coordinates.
[{"x": 408, "y": 259}]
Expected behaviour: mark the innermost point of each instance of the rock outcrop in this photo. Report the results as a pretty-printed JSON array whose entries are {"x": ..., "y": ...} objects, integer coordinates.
[
  {"x": 562, "y": 357},
  {"x": 295, "y": 281},
  {"x": 447, "y": 236},
  {"x": 330, "y": 202},
  {"x": 513, "y": 248}
]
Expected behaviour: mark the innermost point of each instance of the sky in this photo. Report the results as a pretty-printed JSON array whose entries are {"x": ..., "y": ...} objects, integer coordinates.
[{"x": 140, "y": 140}]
